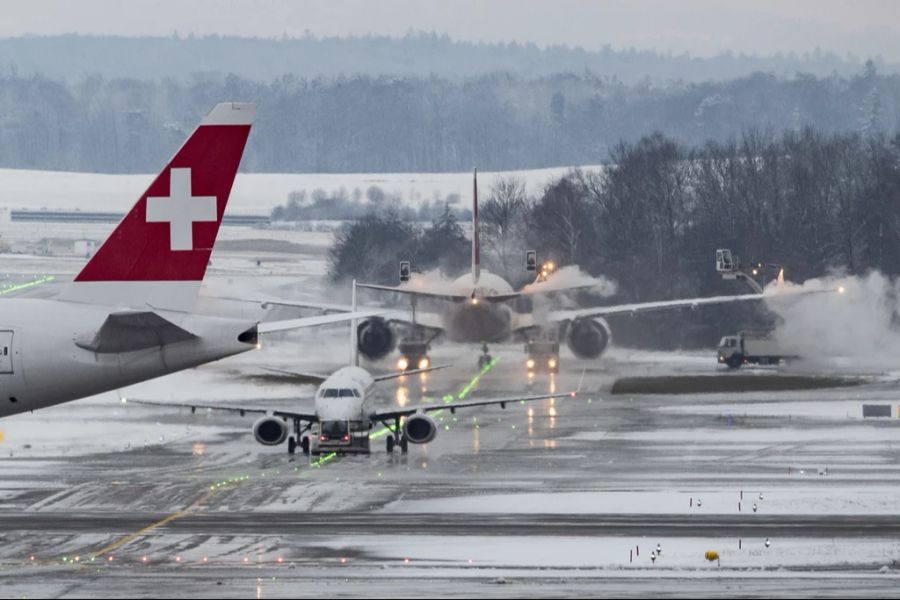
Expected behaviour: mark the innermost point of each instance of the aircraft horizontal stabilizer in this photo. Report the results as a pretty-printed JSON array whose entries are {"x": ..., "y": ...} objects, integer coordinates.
[{"x": 130, "y": 331}]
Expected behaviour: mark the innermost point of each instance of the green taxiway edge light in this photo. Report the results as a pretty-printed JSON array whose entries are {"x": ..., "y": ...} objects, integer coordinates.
[
  {"x": 27, "y": 284},
  {"x": 447, "y": 398}
]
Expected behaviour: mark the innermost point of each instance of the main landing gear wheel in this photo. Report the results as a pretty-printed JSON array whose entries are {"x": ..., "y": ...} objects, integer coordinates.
[
  {"x": 390, "y": 443},
  {"x": 485, "y": 358},
  {"x": 404, "y": 445},
  {"x": 304, "y": 445},
  {"x": 292, "y": 445}
]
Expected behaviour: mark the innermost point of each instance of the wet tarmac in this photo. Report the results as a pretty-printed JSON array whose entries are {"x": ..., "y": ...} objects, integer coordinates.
[
  {"x": 104, "y": 498},
  {"x": 795, "y": 492}
]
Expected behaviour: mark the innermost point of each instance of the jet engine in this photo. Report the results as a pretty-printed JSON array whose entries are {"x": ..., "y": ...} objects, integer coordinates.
[
  {"x": 375, "y": 338},
  {"x": 588, "y": 338},
  {"x": 419, "y": 429},
  {"x": 270, "y": 431}
]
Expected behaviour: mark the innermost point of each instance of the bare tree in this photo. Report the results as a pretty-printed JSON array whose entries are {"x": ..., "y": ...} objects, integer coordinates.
[{"x": 503, "y": 224}]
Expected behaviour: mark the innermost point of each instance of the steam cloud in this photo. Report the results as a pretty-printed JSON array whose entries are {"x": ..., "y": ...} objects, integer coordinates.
[
  {"x": 857, "y": 328},
  {"x": 572, "y": 276}
]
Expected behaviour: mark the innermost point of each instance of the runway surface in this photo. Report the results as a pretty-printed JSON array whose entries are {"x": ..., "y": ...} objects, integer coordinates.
[{"x": 794, "y": 490}]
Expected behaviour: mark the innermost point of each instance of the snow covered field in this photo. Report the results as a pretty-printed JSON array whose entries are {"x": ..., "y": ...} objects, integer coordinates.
[{"x": 253, "y": 193}]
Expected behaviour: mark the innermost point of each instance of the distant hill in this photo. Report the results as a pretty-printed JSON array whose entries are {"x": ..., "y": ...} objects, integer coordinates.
[
  {"x": 73, "y": 57},
  {"x": 393, "y": 124}
]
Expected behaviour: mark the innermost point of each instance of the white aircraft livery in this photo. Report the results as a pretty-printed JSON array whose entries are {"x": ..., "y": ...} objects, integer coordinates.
[
  {"x": 346, "y": 411},
  {"x": 127, "y": 315}
]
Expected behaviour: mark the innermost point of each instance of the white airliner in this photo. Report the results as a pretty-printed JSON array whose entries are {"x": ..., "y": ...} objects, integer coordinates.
[
  {"x": 345, "y": 413},
  {"x": 127, "y": 315},
  {"x": 476, "y": 308}
]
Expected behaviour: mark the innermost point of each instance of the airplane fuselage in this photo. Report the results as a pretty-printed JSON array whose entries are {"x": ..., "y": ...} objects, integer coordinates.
[
  {"x": 344, "y": 404},
  {"x": 42, "y": 365},
  {"x": 478, "y": 319}
]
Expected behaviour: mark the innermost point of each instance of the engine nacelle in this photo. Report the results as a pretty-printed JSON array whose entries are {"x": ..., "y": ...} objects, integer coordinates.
[
  {"x": 419, "y": 428},
  {"x": 270, "y": 431},
  {"x": 375, "y": 338},
  {"x": 588, "y": 338}
]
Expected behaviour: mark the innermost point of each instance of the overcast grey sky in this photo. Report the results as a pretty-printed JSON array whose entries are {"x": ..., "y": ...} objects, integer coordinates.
[{"x": 700, "y": 27}]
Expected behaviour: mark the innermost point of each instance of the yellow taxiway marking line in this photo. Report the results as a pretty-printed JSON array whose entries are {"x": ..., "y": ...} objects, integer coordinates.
[{"x": 142, "y": 532}]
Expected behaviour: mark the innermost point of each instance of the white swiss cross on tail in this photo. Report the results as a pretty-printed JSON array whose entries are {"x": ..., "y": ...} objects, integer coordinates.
[{"x": 181, "y": 210}]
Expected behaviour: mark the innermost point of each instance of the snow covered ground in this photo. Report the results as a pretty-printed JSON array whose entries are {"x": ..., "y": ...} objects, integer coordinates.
[{"x": 253, "y": 193}]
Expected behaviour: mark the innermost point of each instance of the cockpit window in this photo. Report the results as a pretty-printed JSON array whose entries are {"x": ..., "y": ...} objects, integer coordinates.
[{"x": 339, "y": 393}]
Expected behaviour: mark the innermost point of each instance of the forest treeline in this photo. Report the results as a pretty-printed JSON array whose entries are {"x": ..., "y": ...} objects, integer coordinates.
[{"x": 495, "y": 121}]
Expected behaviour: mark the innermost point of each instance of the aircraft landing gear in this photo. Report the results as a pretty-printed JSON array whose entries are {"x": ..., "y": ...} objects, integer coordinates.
[
  {"x": 396, "y": 438},
  {"x": 401, "y": 441},
  {"x": 484, "y": 359},
  {"x": 298, "y": 439}
]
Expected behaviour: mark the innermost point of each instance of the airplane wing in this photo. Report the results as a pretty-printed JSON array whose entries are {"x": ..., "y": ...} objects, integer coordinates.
[
  {"x": 314, "y": 378},
  {"x": 624, "y": 309},
  {"x": 322, "y": 306},
  {"x": 308, "y": 417},
  {"x": 341, "y": 312},
  {"x": 410, "y": 291},
  {"x": 388, "y": 376},
  {"x": 439, "y": 296},
  {"x": 424, "y": 319},
  {"x": 535, "y": 289},
  {"x": 133, "y": 330},
  {"x": 272, "y": 326},
  {"x": 454, "y": 406}
]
